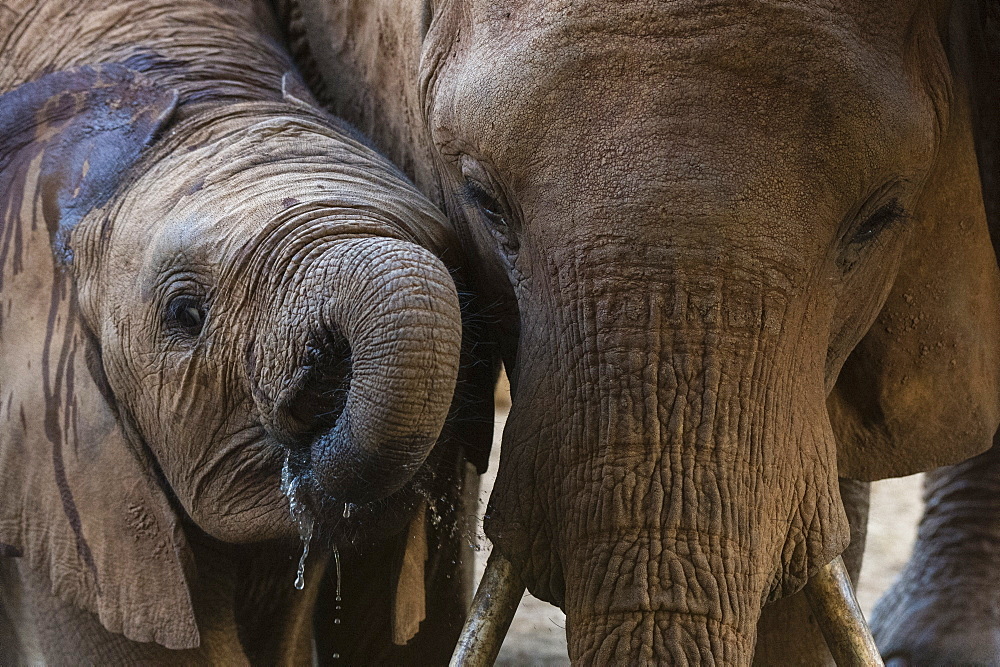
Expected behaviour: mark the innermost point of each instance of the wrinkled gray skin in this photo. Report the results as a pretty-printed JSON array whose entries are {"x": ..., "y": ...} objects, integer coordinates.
[
  {"x": 945, "y": 607},
  {"x": 737, "y": 250},
  {"x": 205, "y": 279}
]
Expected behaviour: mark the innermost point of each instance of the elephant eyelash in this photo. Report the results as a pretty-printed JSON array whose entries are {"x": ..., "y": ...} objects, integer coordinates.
[
  {"x": 477, "y": 196},
  {"x": 883, "y": 218}
]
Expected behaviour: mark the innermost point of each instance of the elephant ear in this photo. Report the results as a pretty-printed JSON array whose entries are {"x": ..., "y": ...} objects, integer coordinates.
[
  {"x": 922, "y": 389},
  {"x": 78, "y": 500}
]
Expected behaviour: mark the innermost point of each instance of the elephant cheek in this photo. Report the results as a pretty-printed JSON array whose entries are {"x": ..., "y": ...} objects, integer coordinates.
[{"x": 234, "y": 494}]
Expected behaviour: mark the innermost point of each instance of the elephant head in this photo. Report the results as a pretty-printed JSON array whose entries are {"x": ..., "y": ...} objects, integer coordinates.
[
  {"x": 739, "y": 251},
  {"x": 191, "y": 303}
]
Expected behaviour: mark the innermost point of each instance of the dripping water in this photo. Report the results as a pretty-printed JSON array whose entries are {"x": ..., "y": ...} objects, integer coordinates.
[
  {"x": 300, "y": 575},
  {"x": 303, "y": 519},
  {"x": 336, "y": 562}
]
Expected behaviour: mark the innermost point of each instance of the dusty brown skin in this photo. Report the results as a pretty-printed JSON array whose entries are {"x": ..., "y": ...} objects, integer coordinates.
[
  {"x": 945, "y": 607},
  {"x": 203, "y": 276},
  {"x": 739, "y": 250}
]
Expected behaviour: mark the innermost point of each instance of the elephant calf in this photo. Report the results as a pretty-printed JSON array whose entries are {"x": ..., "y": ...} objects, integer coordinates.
[{"x": 205, "y": 280}]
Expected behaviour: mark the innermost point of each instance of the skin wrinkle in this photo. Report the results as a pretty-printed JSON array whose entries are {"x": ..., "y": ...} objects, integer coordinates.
[
  {"x": 753, "y": 149},
  {"x": 169, "y": 211},
  {"x": 112, "y": 39}
]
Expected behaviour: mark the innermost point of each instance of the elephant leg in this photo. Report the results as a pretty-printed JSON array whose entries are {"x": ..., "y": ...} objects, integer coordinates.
[
  {"x": 359, "y": 628},
  {"x": 787, "y": 633},
  {"x": 945, "y": 606}
]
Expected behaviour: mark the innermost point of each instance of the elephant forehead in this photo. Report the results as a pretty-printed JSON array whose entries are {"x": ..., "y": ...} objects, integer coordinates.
[
  {"x": 799, "y": 72},
  {"x": 252, "y": 172},
  {"x": 221, "y": 191}
]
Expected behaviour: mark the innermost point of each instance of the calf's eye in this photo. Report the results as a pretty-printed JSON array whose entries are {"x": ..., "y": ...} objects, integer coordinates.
[{"x": 186, "y": 314}]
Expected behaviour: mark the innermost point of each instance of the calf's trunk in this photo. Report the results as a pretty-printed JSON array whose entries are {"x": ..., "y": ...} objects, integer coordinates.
[
  {"x": 391, "y": 307},
  {"x": 398, "y": 310}
]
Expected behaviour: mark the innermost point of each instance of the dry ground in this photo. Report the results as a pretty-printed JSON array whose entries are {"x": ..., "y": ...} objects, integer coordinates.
[{"x": 537, "y": 635}]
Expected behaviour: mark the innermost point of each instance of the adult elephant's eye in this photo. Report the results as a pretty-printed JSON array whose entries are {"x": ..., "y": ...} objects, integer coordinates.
[
  {"x": 186, "y": 314},
  {"x": 878, "y": 221},
  {"x": 485, "y": 202},
  {"x": 481, "y": 195}
]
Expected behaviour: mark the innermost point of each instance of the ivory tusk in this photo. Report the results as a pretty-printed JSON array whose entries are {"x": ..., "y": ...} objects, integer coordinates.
[
  {"x": 493, "y": 609},
  {"x": 831, "y": 597}
]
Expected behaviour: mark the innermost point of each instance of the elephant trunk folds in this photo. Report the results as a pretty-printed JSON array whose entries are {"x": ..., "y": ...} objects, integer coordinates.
[
  {"x": 830, "y": 594},
  {"x": 682, "y": 474},
  {"x": 400, "y": 315},
  {"x": 396, "y": 306}
]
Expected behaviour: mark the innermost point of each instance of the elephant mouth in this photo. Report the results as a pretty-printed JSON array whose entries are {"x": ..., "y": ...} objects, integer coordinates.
[
  {"x": 310, "y": 411},
  {"x": 346, "y": 525},
  {"x": 309, "y": 408}
]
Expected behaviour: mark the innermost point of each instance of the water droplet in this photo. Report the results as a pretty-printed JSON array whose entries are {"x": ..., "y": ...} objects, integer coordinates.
[
  {"x": 303, "y": 519},
  {"x": 336, "y": 562},
  {"x": 336, "y": 655},
  {"x": 347, "y": 511},
  {"x": 300, "y": 577},
  {"x": 336, "y": 621}
]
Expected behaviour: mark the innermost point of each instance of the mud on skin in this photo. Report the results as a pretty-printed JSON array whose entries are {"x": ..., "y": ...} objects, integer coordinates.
[{"x": 203, "y": 272}]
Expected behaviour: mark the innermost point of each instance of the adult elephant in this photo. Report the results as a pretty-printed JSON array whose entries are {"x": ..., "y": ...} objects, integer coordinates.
[
  {"x": 218, "y": 302},
  {"x": 739, "y": 251}
]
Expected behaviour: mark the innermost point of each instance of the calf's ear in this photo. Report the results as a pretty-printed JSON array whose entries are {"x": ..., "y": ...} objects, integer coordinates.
[
  {"x": 922, "y": 389},
  {"x": 80, "y": 499}
]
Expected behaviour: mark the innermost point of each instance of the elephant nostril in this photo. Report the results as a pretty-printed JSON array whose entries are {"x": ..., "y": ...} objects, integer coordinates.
[{"x": 319, "y": 392}]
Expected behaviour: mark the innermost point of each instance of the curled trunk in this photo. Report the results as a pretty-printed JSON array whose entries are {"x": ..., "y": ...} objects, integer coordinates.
[
  {"x": 395, "y": 306},
  {"x": 399, "y": 313}
]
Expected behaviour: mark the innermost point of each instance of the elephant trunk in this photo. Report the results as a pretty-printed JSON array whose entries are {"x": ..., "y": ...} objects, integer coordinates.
[
  {"x": 672, "y": 472},
  {"x": 830, "y": 594},
  {"x": 395, "y": 305},
  {"x": 399, "y": 312}
]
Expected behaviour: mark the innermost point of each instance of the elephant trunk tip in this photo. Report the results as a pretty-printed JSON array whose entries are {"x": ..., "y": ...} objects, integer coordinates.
[{"x": 396, "y": 306}]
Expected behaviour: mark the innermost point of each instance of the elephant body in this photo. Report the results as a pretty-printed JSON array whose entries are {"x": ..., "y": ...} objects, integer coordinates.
[
  {"x": 740, "y": 262},
  {"x": 220, "y": 304}
]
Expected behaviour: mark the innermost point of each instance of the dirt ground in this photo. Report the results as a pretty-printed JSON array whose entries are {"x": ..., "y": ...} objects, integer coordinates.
[{"x": 537, "y": 635}]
